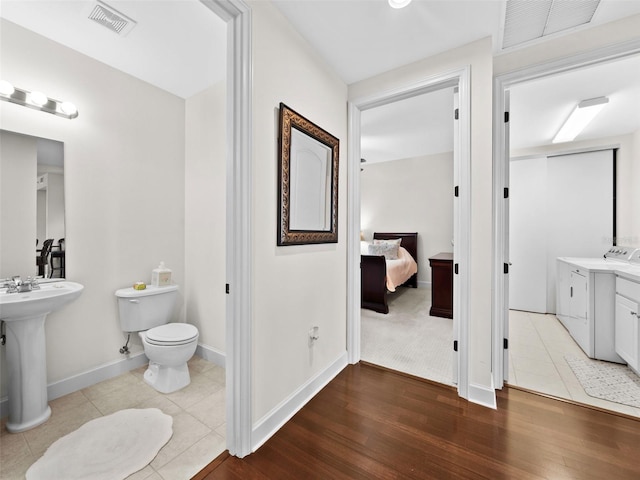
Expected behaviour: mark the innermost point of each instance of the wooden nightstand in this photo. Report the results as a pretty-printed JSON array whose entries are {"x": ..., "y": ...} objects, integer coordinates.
[{"x": 441, "y": 285}]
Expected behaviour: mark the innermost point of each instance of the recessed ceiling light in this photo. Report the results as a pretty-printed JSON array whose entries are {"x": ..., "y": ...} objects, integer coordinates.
[{"x": 399, "y": 3}]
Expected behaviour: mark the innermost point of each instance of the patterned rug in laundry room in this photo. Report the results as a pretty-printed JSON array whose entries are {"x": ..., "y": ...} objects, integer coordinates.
[{"x": 608, "y": 381}]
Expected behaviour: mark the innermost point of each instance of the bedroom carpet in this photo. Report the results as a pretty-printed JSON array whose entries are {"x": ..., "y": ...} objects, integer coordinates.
[
  {"x": 107, "y": 448},
  {"x": 609, "y": 381},
  {"x": 407, "y": 339}
]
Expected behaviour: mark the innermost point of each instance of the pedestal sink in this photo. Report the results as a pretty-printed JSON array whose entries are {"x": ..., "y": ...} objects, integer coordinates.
[{"x": 24, "y": 315}]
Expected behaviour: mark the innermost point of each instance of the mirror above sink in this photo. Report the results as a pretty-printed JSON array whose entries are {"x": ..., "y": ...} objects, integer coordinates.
[{"x": 32, "y": 206}]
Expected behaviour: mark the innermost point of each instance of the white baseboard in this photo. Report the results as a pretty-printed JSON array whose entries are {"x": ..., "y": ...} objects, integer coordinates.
[
  {"x": 485, "y": 396},
  {"x": 423, "y": 284},
  {"x": 212, "y": 355},
  {"x": 86, "y": 379},
  {"x": 276, "y": 418},
  {"x": 105, "y": 372}
]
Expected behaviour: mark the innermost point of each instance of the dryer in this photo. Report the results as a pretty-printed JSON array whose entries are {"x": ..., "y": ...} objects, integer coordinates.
[{"x": 585, "y": 300}]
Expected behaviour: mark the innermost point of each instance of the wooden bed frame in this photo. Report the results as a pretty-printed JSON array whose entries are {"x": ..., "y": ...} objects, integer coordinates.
[{"x": 373, "y": 272}]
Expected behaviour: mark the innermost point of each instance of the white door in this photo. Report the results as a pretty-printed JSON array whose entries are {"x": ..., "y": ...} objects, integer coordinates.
[
  {"x": 527, "y": 235},
  {"x": 456, "y": 173},
  {"x": 506, "y": 254}
]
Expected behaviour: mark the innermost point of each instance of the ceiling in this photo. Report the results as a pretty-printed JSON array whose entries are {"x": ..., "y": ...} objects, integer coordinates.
[
  {"x": 177, "y": 45},
  {"x": 180, "y": 46}
]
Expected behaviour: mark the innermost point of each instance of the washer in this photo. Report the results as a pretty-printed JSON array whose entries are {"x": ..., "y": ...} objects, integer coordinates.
[{"x": 585, "y": 300}]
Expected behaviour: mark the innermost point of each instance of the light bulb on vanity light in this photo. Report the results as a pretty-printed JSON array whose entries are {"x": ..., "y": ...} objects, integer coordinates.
[
  {"x": 6, "y": 88},
  {"x": 38, "y": 98},
  {"x": 68, "y": 108}
]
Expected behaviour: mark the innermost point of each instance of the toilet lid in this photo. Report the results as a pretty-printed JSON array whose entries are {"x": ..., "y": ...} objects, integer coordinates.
[{"x": 172, "y": 334}]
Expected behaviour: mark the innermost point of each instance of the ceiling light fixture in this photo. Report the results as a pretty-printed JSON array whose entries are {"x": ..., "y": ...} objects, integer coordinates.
[
  {"x": 399, "y": 3},
  {"x": 579, "y": 119},
  {"x": 37, "y": 101}
]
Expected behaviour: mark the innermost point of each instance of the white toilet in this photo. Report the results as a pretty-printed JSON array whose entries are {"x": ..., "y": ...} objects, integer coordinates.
[{"x": 168, "y": 346}]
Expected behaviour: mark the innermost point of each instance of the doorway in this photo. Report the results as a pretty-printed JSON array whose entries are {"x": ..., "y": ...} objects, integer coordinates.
[
  {"x": 461, "y": 210},
  {"x": 538, "y": 324},
  {"x": 406, "y": 186}
]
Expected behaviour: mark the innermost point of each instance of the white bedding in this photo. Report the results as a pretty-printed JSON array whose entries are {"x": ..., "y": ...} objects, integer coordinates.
[{"x": 398, "y": 271}]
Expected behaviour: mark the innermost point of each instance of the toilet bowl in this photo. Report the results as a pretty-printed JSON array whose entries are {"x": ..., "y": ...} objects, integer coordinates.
[{"x": 168, "y": 346}]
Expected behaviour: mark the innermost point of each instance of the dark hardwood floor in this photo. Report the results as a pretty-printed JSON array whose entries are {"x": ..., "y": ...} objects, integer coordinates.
[{"x": 371, "y": 423}]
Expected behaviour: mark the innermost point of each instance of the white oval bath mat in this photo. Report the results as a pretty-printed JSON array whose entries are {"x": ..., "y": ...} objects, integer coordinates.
[{"x": 107, "y": 448}]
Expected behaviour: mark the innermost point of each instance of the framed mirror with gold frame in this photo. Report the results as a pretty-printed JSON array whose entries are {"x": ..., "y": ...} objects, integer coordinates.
[{"x": 308, "y": 159}]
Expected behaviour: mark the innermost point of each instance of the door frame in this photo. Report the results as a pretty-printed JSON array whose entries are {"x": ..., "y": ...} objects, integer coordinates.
[
  {"x": 501, "y": 85},
  {"x": 462, "y": 210},
  {"x": 239, "y": 260}
]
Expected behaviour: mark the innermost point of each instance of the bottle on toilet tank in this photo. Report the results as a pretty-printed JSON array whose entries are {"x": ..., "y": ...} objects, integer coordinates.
[{"x": 161, "y": 276}]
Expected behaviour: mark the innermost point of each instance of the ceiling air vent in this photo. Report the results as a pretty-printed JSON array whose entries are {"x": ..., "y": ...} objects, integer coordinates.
[
  {"x": 527, "y": 20},
  {"x": 110, "y": 18}
]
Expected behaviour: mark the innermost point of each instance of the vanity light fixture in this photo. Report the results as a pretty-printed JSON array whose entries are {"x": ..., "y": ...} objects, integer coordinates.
[
  {"x": 37, "y": 101},
  {"x": 579, "y": 119},
  {"x": 399, "y": 3}
]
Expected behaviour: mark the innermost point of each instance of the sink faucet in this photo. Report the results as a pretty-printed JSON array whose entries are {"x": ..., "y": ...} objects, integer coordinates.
[{"x": 17, "y": 285}]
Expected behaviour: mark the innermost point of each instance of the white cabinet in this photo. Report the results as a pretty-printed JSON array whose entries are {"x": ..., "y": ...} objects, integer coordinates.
[{"x": 627, "y": 332}]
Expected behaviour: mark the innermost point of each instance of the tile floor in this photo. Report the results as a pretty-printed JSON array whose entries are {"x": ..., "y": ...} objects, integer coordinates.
[
  {"x": 198, "y": 412},
  {"x": 537, "y": 346}
]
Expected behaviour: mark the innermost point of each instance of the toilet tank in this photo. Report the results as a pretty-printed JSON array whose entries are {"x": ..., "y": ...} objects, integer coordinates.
[{"x": 144, "y": 309}]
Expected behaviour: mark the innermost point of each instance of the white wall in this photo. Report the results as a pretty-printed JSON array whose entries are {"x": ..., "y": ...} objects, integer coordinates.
[
  {"x": 205, "y": 214},
  {"x": 478, "y": 56},
  {"x": 410, "y": 195},
  {"x": 295, "y": 287},
  {"x": 124, "y": 187}
]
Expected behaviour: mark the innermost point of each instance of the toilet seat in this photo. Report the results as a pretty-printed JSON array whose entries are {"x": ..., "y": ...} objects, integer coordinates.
[{"x": 172, "y": 334}]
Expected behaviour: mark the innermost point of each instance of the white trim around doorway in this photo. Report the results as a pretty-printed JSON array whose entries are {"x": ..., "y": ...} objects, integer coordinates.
[
  {"x": 500, "y": 304},
  {"x": 462, "y": 222},
  {"x": 237, "y": 14}
]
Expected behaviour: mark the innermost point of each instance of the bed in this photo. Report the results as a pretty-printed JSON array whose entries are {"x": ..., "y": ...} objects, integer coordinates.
[{"x": 379, "y": 275}]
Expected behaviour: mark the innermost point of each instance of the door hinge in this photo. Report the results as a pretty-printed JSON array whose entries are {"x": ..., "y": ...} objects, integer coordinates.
[
  {"x": 226, "y": 289},
  {"x": 505, "y": 343},
  {"x": 505, "y": 268},
  {"x": 506, "y": 117},
  {"x": 455, "y": 268},
  {"x": 455, "y": 114},
  {"x": 455, "y": 345},
  {"x": 506, "y": 192},
  {"x": 456, "y": 191}
]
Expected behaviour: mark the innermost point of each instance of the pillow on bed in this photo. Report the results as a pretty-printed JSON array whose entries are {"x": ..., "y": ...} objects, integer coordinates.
[
  {"x": 388, "y": 249},
  {"x": 395, "y": 241}
]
